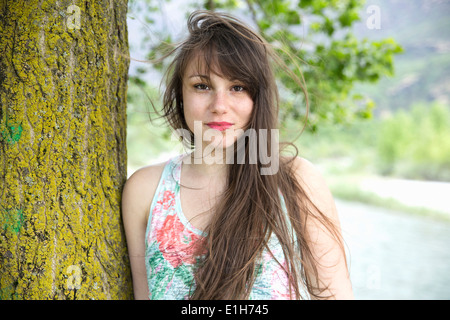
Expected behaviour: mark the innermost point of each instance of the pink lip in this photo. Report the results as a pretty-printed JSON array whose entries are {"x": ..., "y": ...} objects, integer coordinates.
[{"x": 219, "y": 125}]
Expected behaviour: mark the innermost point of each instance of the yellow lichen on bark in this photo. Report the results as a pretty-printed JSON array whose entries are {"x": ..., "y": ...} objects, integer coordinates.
[{"x": 62, "y": 150}]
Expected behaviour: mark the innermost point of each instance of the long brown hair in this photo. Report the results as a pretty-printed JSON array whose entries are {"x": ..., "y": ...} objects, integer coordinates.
[{"x": 250, "y": 209}]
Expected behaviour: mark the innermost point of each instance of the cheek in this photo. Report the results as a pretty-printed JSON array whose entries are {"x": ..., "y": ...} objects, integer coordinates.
[
  {"x": 194, "y": 118},
  {"x": 247, "y": 110},
  {"x": 189, "y": 113}
]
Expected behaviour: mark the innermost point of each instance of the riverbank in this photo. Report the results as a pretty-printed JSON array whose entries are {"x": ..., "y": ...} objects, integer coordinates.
[{"x": 428, "y": 198}]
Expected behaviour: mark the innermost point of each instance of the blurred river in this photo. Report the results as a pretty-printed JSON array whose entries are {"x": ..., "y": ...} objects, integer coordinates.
[{"x": 395, "y": 255}]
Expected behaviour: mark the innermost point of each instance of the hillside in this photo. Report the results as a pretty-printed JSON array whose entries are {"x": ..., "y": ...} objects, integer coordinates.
[{"x": 422, "y": 72}]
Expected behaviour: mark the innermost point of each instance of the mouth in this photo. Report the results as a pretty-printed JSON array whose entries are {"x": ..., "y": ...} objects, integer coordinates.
[{"x": 221, "y": 126}]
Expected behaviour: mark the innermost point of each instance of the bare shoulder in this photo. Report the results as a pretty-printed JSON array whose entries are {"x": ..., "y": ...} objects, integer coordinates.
[
  {"x": 314, "y": 184},
  {"x": 325, "y": 236},
  {"x": 139, "y": 190},
  {"x": 146, "y": 176},
  {"x": 308, "y": 174}
]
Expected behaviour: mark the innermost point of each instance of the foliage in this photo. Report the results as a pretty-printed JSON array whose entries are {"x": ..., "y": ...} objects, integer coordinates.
[
  {"x": 416, "y": 144},
  {"x": 315, "y": 35},
  {"x": 148, "y": 138},
  {"x": 407, "y": 144}
]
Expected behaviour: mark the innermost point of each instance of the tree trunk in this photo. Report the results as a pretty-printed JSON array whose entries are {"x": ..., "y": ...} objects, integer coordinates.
[{"x": 63, "y": 78}]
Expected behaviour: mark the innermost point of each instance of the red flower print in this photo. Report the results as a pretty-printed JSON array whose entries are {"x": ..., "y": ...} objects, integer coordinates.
[
  {"x": 176, "y": 243},
  {"x": 168, "y": 199}
]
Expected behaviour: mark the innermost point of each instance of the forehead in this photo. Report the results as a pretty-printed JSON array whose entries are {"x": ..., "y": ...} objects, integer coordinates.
[{"x": 201, "y": 64}]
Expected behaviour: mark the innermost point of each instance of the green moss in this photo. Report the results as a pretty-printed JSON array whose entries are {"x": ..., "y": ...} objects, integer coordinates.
[
  {"x": 11, "y": 219},
  {"x": 65, "y": 100},
  {"x": 10, "y": 132}
]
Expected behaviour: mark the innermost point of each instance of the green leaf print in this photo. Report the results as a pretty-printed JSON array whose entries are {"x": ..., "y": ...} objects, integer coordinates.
[{"x": 166, "y": 282}]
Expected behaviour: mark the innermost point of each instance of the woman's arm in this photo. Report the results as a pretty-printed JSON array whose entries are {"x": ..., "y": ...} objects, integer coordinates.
[
  {"x": 327, "y": 249},
  {"x": 137, "y": 196}
]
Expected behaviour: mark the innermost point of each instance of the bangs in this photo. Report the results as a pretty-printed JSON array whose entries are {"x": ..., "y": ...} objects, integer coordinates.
[{"x": 231, "y": 57}]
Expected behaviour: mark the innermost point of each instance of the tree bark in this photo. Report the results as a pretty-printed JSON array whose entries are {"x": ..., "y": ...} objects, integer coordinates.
[{"x": 63, "y": 81}]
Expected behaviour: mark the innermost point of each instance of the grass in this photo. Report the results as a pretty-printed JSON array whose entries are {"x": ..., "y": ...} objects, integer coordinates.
[{"x": 347, "y": 187}]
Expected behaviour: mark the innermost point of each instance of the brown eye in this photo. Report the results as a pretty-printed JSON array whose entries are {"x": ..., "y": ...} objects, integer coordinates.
[
  {"x": 238, "y": 88},
  {"x": 201, "y": 86}
]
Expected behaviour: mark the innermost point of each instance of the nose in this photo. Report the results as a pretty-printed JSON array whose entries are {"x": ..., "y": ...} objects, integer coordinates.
[{"x": 219, "y": 103}]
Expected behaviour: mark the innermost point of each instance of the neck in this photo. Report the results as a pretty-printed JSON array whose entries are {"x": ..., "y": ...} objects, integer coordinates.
[{"x": 209, "y": 165}]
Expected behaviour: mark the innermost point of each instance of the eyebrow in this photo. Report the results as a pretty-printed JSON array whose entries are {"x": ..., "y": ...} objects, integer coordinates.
[
  {"x": 206, "y": 77},
  {"x": 199, "y": 76}
]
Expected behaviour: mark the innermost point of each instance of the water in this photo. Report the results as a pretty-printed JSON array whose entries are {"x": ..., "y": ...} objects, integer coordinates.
[{"x": 394, "y": 255}]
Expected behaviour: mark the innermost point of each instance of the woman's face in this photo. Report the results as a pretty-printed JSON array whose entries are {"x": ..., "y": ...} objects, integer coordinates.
[{"x": 215, "y": 108}]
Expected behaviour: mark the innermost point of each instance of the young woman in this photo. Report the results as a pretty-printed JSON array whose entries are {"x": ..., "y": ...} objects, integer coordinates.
[{"x": 212, "y": 224}]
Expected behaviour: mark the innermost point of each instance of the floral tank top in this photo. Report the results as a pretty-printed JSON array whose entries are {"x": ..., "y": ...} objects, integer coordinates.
[{"x": 170, "y": 239}]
